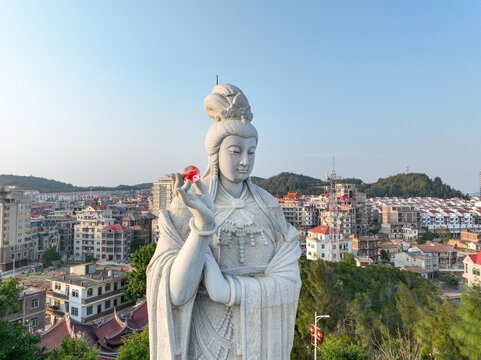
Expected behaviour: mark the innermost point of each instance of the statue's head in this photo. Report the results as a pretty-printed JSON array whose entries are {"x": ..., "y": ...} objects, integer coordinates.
[{"x": 232, "y": 139}]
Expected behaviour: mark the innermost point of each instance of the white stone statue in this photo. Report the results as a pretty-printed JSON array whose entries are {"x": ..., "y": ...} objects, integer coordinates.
[{"x": 224, "y": 281}]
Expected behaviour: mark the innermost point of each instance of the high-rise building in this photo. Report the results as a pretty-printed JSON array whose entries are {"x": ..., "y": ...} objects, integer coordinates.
[
  {"x": 88, "y": 231},
  {"x": 15, "y": 242},
  {"x": 162, "y": 195}
]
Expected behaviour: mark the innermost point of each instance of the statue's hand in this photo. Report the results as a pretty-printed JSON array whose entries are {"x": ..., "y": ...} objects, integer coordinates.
[{"x": 200, "y": 204}]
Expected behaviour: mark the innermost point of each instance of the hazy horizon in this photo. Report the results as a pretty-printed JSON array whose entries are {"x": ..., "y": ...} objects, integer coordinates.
[{"x": 111, "y": 92}]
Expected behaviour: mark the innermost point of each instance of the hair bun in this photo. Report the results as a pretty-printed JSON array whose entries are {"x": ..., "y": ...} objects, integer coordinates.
[{"x": 227, "y": 102}]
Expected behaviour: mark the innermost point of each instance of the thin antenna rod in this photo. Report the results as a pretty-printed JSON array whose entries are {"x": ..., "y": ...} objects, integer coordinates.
[{"x": 217, "y": 80}]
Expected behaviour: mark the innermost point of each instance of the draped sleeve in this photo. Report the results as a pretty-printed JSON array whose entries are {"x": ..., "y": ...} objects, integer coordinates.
[{"x": 169, "y": 325}]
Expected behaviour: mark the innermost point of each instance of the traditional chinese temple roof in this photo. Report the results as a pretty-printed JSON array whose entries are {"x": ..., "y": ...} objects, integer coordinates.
[{"x": 108, "y": 335}]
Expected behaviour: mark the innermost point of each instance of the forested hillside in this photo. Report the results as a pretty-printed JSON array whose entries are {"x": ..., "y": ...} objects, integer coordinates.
[
  {"x": 401, "y": 185},
  {"x": 49, "y": 186}
]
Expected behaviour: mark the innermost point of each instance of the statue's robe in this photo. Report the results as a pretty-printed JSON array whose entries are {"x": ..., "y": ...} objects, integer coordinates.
[{"x": 262, "y": 326}]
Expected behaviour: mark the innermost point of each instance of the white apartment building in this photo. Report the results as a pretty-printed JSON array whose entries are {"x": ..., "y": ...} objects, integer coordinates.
[
  {"x": 325, "y": 244},
  {"x": 428, "y": 265},
  {"x": 88, "y": 231},
  {"x": 162, "y": 195},
  {"x": 15, "y": 242},
  {"x": 87, "y": 293}
]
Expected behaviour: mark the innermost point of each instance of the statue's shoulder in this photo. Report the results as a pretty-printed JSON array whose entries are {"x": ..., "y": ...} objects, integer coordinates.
[
  {"x": 268, "y": 199},
  {"x": 177, "y": 215}
]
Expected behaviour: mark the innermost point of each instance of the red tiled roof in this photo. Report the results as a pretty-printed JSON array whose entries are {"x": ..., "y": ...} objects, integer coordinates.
[
  {"x": 35, "y": 216},
  {"x": 54, "y": 335},
  {"x": 435, "y": 248},
  {"x": 476, "y": 258},
  {"x": 323, "y": 229},
  {"x": 115, "y": 227}
]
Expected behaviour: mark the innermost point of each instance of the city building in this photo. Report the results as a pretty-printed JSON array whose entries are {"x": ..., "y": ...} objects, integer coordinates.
[
  {"x": 44, "y": 235},
  {"x": 472, "y": 269},
  {"x": 15, "y": 242},
  {"x": 141, "y": 223},
  {"x": 162, "y": 195},
  {"x": 327, "y": 244},
  {"x": 31, "y": 302},
  {"x": 415, "y": 261},
  {"x": 116, "y": 242},
  {"x": 444, "y": 256},
  {"x": 398, "y": 221},
  {"x": 65, "y": 224},
  {"x": 365, "y": 246},
  {"x": 88, "y": 231},
  {"x": 87, "y": 293}
]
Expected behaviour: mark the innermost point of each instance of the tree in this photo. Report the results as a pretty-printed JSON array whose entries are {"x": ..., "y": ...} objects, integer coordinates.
[
  {"x": 442, "y": 233},
  {"x": 136, "y": 244},
  {"x": 450, "y": 280},
  {"x": 73, "y": 349},
  {"x": 89, "y": 258},
  {"x": 16, "y": 342},
  {"x": 136, "y": 347},
  {"x": 341, "y": 348},
  {"x": 137, "y": 278},
  {"x": 466, "y": 331},
  {"x": 428, "y": 236},
  {"x": 385, "y": 258},
  {"x": 50, "y": 255}
]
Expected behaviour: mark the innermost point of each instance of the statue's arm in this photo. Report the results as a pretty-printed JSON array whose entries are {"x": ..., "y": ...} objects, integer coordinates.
[
  {"x": 219, "y": 288},
  {"x": 186, "y": 270}
]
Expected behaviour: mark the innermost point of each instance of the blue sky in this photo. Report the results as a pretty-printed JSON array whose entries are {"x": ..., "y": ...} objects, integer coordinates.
[{"x": 111, "y": 92}]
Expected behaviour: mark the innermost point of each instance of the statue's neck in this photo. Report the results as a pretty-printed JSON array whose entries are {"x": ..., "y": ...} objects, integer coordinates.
[{"x": 233, "y": 188}]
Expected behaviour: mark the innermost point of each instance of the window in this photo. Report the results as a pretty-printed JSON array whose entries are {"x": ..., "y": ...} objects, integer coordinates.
[
  {"x": 107, "y": 304},
  {"x": 99, "y": 291},
  {"x": 90, "y": 310},
  {"x": 74, "y": 311},
  {"x": 34, "y": 304},
  {"x": 107, "y": 287},
  {"x": 34, "y": 322},
  {"x": 99, "y": 308},
  {"x": 75, "y": 293},
  {"x": 90, "y": 292},
  {"x": 476, "y": 271},
  {"x": 115, "y": 303}
]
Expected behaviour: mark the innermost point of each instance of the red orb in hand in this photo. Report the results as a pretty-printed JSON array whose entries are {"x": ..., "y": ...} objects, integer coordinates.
[{"x": 191, "y": 173}]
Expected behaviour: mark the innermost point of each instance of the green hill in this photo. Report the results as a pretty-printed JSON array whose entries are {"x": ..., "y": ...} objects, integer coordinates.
[
  {"x": 401, "y": 185},
  {"x": 410, "y": 185},
  {"x": 50, "y": 186}
]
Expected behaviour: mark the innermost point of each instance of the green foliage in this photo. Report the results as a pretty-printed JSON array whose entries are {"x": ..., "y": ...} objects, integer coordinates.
[
  {"x": 385, "y": 258},
  {"x": 136, "y": 347},
  {"x": 73, "y": 349},
  {"x": 137, "y": 278},
  {"x": 442, "y": 233},
  {"x": 410, "y": 185},
  {"x": 9, "y": 293},
  {"x": 428, "y": 236},
  {"x": 341, "y": 348},
  {"x": 349, "y": 259},
  {"x": 16, "y": 342},
  {"x": 360, "y": 301},
  {"x": 50, "y": 255},
  {"x": 89, "y": 258},
  {"x": 136, "y": 244},
  {"x": 48, "y": 185},
  {"x": 466, "y": 331},
  {"x": 450, "y": 280}
]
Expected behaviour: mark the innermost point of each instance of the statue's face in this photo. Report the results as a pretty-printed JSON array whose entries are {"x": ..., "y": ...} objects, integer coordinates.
[{"x": 236, "y": 157}]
